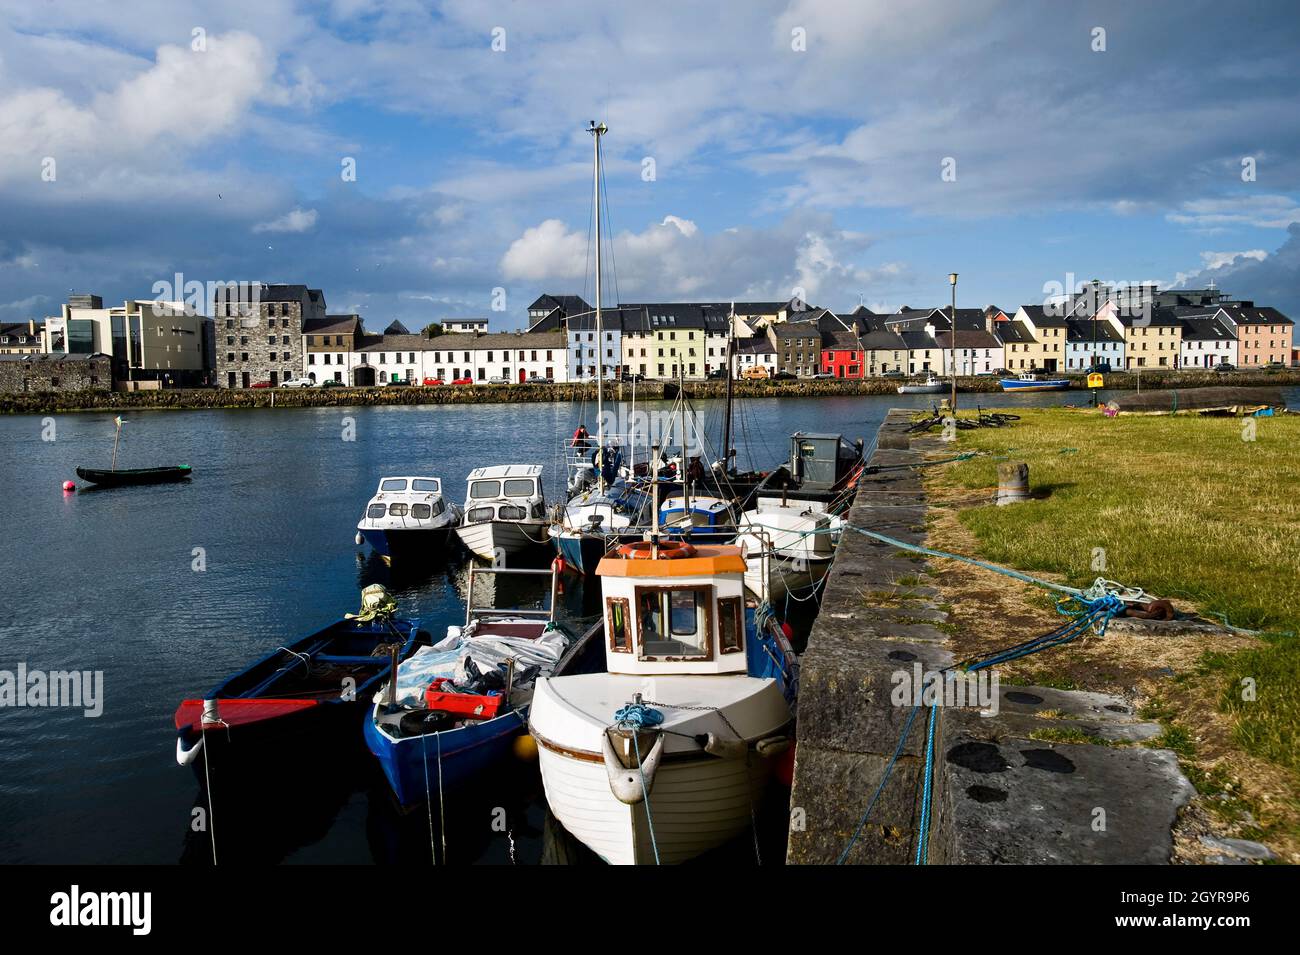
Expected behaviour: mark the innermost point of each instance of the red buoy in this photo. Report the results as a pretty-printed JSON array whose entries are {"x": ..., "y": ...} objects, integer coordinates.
[
  {"x": 69, "y": 486},
  {"x": 784, "y": 768}
]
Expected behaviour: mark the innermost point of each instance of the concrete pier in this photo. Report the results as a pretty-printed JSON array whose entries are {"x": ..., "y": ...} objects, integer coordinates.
[{"x": 999, "y": 794}]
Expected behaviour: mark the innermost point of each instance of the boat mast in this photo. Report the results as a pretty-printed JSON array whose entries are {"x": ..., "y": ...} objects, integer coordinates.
[
  {"x": 686, "y": 486},
  {"x": 117, "y": 436},
  {"x": 596, "y": 132},
  {"x": 726, "y": 419}
]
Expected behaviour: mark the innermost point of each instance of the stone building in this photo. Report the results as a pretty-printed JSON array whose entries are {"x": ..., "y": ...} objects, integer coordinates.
[
  {"x": 55, "y": 372},
  {"x": 260, "y": 332}
]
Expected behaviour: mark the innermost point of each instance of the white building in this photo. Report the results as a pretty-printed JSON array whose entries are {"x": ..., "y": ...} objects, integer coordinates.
[
  {"x": 467, "y": 326},
  {"x": 979, "y": 352},
  {"x": 1090, "y": 342},
  {"x": 583, "y": 349},
  {"x": 512, "y": 357},
  {"x": 755, "y": 352},
  {"x": 1206, "y": 343}
]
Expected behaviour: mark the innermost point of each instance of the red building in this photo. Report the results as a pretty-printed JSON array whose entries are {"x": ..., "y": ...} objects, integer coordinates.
[{"x": 841, "y": 354}]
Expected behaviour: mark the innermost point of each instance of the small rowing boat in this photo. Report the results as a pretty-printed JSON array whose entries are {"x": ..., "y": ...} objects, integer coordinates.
[{"x": 119, "y": 477}]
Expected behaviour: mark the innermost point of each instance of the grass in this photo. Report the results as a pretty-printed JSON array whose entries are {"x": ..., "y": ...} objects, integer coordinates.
[{"x": 1180, "y": 506}]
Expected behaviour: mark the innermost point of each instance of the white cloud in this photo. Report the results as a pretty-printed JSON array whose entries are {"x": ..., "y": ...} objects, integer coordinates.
[
  {"x": 1265, "y": 212},
  {"x": 296, "y": 220},
  {"x": 545, "y": 252}
]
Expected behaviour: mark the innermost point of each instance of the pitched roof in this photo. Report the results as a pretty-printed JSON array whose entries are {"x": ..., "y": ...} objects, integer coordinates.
[
  {"x": 1088, "y": 330},
  {"x": 755, "y": 345},
  {"x": 1050, "y": 316},
  {"x": 332, "y": 324},
  {"x": 1015, "y": 331},
  {"x": 840, "y": 339},
  {"x": 918, "y": 339},
  {"x": 883, "y": 340},
  {"x": 967, "y": 337},
  {"x": 1243, "y": 315},
  {"x": 1206, "y": 330},
  {"x": 568, "y": 304}
]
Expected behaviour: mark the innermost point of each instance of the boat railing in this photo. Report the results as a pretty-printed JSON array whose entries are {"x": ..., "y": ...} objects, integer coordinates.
[{"x": 547, "y": 614}]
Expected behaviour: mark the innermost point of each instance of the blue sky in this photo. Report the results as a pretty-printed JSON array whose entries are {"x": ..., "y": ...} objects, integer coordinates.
[{"x": 796, "y": 146}]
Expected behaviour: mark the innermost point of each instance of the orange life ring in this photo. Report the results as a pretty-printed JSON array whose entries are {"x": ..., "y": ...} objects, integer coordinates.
[{"x": 668, "y": 550}]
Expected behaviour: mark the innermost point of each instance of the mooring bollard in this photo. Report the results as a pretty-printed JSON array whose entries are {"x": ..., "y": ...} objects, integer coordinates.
[{"x": 1013, "y": 482}]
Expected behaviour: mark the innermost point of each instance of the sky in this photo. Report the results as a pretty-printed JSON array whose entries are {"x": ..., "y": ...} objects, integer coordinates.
[{"x": 418, "y": 161}]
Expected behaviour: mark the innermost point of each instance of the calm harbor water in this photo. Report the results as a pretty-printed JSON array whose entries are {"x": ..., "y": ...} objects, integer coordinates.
[{"x": 105, "y": 580}]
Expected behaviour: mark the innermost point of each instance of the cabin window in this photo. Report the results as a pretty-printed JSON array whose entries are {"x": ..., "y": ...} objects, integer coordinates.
[
  {"x": 674, "y": 622},
  {"x": 509, "y": 512},
  {"x": 731, "y": 627},
  {"x": 421, "y": 512},
  {"x": 397, "y": 510},
  {"x": 485, "y": 489},
  {"x": 424, "y": 484},
  {"x": 376, "y": 510},
  {"x": 393, "y": 484},
  {"x": 479, "y": 514},
  {"x": 618, "y": 624},
  {"x": 518, "y": 487},
  {"x": 438, "y": 507}
]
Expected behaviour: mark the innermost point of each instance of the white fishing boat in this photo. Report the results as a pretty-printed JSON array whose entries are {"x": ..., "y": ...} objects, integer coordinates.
[
  {"x": 665, "y": 755},
  {"x": 408, "y": 517},
  {"x": 789, "y": 546},
  {"x": 931, "y": 386},
  {"x": 504, "y": 511}
]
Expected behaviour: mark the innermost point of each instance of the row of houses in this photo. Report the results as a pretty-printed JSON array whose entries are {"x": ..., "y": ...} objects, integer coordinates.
[{"x": 273, "y": 333}]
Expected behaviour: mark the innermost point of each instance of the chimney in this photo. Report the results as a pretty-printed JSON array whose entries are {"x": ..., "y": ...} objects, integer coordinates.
[{"x": 990, "y": 318}]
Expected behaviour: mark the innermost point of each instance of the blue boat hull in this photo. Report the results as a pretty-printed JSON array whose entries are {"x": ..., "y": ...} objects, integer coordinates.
[
  {"x": 427, "y": 543},
  {"x": 1053, "y": 384},
  {"x": 412, "y": 764}
]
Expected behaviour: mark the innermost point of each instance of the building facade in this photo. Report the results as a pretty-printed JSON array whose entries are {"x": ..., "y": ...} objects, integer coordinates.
[
  {"x": 260, "y": 332},
  {"x": 146, "y": 340},
  {"x": 57, "y": 371},
  {"x": 22, "y": 338}
]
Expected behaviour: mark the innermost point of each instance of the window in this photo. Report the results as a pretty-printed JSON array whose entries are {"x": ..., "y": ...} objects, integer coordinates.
[
  {"x": 620, "y": 637},
  {"x": 421, "y": 512},
  {"x": 731, "y": 626},
  {"x": 479, "y": 514},
  {"x": 425, "y": 484},
  {"x": 397, "y": 509},
  {"x": 519, "y": 487},
  {"x": 684, "y": 610},
  {"x": 484, "y": 489},
  {"x": 511, "y": 512},
  {"x": 393, "y": 484},
  {"x": 376, "y": 510}
]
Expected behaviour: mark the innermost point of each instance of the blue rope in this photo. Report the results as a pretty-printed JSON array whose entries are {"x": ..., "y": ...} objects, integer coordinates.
[
  {"x": 898, "y": 750},
  {"x": 923, "y": 834},
  {"x": 636, "y": 715},
  {"x": 645, "y": 796}
]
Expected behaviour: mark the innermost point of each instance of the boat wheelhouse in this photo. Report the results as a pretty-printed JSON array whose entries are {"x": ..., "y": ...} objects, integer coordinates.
[
  {"x": 504, "y": 512},
  {"x": 789, "y": 546},
  {"x": 408, "y": 517},
  {"x": 693, "y": 711},
  {"x": 699, "y": 519}
]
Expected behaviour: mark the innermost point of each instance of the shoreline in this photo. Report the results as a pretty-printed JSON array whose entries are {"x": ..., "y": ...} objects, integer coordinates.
[{"x": 194, "y": 399}]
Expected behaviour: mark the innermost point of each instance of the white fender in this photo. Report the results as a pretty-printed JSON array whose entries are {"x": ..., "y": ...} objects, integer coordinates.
[
  {"x": 725, "y": 748},
  {"x": 624, "y": 783},
  {"x": 186, "y": 756},
  {"x": 772, "y": 746}
]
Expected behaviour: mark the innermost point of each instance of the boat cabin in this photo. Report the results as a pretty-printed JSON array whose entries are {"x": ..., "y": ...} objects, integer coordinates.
[
  {"x": 822, "y": 461},
  {"x": 674, "y": 608},
  {"x": 405, "y": 502},
  {"x": 705, "y": 512},
  {"x": 508, "y": 492}
]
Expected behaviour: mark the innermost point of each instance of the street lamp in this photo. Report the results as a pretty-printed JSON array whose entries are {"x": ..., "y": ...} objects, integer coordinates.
[{"x": 952, "y": 280}]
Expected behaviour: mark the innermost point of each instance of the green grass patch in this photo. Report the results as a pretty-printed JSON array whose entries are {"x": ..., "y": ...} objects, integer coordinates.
[{"x": 1183, "y": 507}]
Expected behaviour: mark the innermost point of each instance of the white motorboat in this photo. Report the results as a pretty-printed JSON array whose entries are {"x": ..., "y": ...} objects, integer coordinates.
[
  {"x": 504, "y": 511},
  {"x": 789, "y": 546},
  {"x": 665, "y": 755},
  {"x": 931, "y": 386},
  {"x": 408, "y": 517}
]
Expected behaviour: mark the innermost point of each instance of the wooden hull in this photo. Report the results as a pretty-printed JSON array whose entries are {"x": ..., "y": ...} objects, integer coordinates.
[{"x": 125, "y": 476}]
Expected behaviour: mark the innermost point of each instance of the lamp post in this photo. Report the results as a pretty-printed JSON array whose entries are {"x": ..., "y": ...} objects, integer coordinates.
[{"x": 952, "y": 280}]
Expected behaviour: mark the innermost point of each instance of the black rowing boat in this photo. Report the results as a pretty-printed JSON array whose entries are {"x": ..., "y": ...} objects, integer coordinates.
[{"x": 117, "y": 478}]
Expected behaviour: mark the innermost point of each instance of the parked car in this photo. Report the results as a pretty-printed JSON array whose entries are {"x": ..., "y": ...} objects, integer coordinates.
[
  {"x": 783, "y": 376},
  {"x": 260, "y": 384},
  {"x": 823, "y": 375},
  {"x": 540, "y": 380},
  {"x": 397, "y": 383},
  {"x": 631, "y": 376},
  {"x": 1001, "y": 372},
  {"x": 756, "y": 373},
  {"x": 299, "y": 383},
  {"x": 1225, "y": 366},
  {"x": 432, "y": 382},
  {"x": 1274, "y": 366},
  {"x": 717, "y": 374},
  {"x": 1102, "y": 367},
  {"x": 897, "y": 374},
  {"x": 331, "y": 383},
  {"x": 462, "y": 381},
  {"x": 498, "y": 380}
]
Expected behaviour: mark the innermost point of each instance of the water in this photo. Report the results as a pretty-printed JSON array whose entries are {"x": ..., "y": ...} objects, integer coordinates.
[{"x": 105, "y": 580}]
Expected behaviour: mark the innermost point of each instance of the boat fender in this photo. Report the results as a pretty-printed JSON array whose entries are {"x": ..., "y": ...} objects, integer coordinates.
[
  {"x": 624, "y": 783},
  {"x": 772, "y": 745},
  {"x": 725, "y": 748},
  {"x": 359, "y": 539},
  {"x": 186, "y": 755}
]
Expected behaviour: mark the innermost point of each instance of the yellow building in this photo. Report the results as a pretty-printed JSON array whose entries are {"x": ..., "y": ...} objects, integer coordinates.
[
  {"x": 1153, "y": 337},
  {"x": 1045, "y": 349}
]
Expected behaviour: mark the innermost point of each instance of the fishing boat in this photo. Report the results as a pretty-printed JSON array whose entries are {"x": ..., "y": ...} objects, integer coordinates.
[
  {"x": 1030, "y": 381},
  {"x": 664, "y": 756},
  {"x": 931, "y": 386},
  {"x": 456, "y": 707},
  {"x": 504, "y": 512},
  {"x": 296, "y": 699},
  {"x": 408, "y": 517},
  {"x": 114, "y": 476},
  {"x": 699, "y": 519},
  {"x": 118, "y": 477}
]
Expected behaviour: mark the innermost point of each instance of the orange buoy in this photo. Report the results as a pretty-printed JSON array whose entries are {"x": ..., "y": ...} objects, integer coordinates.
[{"x": 667, "y": 550}]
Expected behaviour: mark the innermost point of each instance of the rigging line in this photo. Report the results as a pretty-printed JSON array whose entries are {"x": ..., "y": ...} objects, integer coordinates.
[{"x": 609, "y": 232}]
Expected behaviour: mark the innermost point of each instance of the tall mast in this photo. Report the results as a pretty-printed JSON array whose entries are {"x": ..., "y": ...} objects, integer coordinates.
[
  {"x": 726, "y": 420},
  {"x": 596, "y": 132}
]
